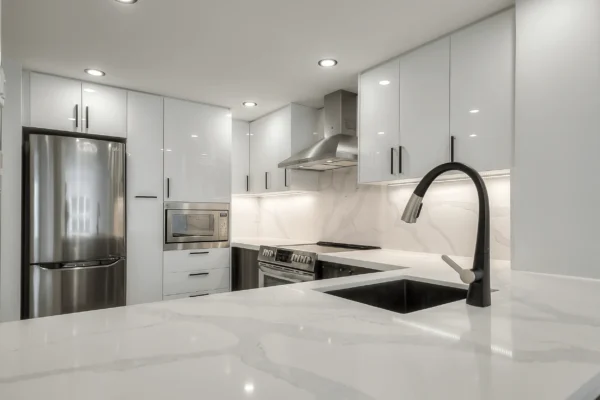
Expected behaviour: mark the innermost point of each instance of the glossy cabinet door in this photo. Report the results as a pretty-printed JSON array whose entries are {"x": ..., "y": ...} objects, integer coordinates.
[
  {"x": 379, "y": 129},
  {"x": 104, "y": 110},
  {"x": 55, "y": 103},
  {"x": 197, "y": 152},
  {"x": 240, "y": 160},
  {"x": 144, "y": 198},
  {"x": 280, "y": 131},
  {"x": 425, "y": 108},
  {"x": 482, "y": 93}
]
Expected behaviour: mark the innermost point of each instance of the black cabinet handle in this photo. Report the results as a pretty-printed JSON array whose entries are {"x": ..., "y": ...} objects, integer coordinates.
[
  {"x": 392, "y": 162},
  {"x": 452, "y": 139},
  {"x": 146, "y": 197},
  {"x": 266, "y": 180},
  {"x": 199, "y": 295},
  {"x": 87, "y": 117},
  {"x": 195, "y": 253},
  {"x": 76, "y": 115},
  {"x": 285, "y": 177},
  {"x": 199, "y": 274},
  {"x": 168, "y": 187},
  {"x": 399, "y": 159},
  {"x": 247, "y": 183}
]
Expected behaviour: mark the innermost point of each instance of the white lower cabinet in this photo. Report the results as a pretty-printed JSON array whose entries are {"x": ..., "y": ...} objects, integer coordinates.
[
  {"x": 195, "y": 281},
  {"x": 195, "y": 294},
  {"x": 192, "y": 271}
]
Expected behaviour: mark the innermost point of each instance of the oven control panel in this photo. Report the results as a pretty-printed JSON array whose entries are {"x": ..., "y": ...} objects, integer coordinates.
[{"x": 288, "y": 258}]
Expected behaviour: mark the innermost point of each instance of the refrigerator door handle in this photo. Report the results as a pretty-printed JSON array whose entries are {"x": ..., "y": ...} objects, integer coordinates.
[{"x": 86, "y": 265}]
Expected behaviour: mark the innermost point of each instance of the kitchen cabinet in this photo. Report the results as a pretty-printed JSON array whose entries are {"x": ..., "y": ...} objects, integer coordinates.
[
  {"x": 197, "y": 145},
  {"x": 482, "y": 93},
  {"x": 379, "y": 123},
  {"x": 144, "y": 198},
  {"x": 240, "y": 160},
  {"x": 104, "y": 110},
  {"x": 274, "y": 138},
  {"x": 244, "y": 269},
  {"x": 75, "y": 106},
  {"x": 196, "y": 271},
  {"x": 55, "y": 102},
  {"x": 424, "y": 109}
]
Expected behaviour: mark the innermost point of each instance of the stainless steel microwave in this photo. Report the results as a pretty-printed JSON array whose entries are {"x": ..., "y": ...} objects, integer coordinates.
[{"x": 196, "y": 225}]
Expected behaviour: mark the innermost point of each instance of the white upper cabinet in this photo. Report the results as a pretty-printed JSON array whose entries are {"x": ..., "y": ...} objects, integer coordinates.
[
  {"x": 379, "y": 126},
  {"x": 482, "y": 93},
  {"x": 425, "y": 108},
  {"x": 144, "y": 198},
  {"x": 55, "y": 103},
  {"x": 240, "y": 160},
  {"x": 104, "y": 110},
  {"x": 274, "y": 138},
  {"x": 197, "y": 147}
]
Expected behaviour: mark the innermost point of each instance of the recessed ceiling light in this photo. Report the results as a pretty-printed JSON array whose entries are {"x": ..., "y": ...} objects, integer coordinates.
[
  {"x": 472, "y": 135},
  {"x": 328, "y": 62},
  {"x": 381, "y": 133},
  {"x": 194, "y": 136},
  {"x": 94, "y": 72},
  {"x": 474, "y": 111},
  {"x": 329, "y": 161},
  {"x": 249, "y": 104},
  {"x": 89, "y": 90},
  {"x": 384, "y": 83},
  {"x": 127, "y": 1}
]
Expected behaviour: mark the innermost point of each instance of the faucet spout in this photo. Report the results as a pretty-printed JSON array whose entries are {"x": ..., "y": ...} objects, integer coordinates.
[{"x": 479, "y": 294}]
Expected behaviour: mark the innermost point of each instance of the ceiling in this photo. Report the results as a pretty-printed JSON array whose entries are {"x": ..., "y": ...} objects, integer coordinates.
[{"x": 225, "y": 52}]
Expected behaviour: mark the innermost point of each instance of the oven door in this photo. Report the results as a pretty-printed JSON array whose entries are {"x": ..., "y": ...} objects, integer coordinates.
[
  {"x": 274, "y": 275},
  {"x": 188, "y": 226}
]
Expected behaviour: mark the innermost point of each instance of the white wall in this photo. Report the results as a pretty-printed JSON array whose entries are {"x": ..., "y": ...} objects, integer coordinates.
[
  {"x": 366, "y": 214},
  {"x": 10, "y": 221},
  {"x": 556, "y": 196}
]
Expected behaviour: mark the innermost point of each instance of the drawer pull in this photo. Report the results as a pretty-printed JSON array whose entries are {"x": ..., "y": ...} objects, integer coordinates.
[
  {"x": 199, "y": 274},
  {"x": 146, "y": 197},
  {"x": 199, "y": 295},
  {"x": 196, "y": 253}
]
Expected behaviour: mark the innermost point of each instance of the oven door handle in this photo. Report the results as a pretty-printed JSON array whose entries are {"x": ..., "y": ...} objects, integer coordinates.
[{"x": 279, "y": 273}]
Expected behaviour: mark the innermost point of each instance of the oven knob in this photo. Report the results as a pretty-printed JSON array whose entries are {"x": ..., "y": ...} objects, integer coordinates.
[
  {"x": 295, "y": 258},
  {"x": 308, "y": 260},
  {"x": 264, "y": 252}
]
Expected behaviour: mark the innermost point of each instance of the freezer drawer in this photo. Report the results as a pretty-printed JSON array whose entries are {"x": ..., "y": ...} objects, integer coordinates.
[
  {"x": 69, "y": 290},
  {"x": 196, "y": 281}
]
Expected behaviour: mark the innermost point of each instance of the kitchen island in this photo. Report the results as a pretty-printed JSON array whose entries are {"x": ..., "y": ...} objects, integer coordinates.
[{"x": 538, "y": 340}]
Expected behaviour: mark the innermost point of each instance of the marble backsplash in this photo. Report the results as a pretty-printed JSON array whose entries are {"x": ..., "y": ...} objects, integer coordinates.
[{"x": 343, "y": 211}]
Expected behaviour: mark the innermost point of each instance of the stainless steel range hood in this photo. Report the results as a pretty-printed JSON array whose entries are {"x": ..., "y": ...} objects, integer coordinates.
[{"x": 339, "y": 148}]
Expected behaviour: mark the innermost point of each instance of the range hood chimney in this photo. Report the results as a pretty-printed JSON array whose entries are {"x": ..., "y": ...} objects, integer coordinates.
[{"x": 339, "y": 148}]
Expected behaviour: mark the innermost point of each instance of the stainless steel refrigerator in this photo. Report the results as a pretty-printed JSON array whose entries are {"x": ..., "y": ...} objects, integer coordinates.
[{"x": 74, "y": 219}]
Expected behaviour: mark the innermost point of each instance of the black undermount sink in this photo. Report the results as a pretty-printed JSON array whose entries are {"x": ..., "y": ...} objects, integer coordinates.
[{"x": 402, "y": 296}]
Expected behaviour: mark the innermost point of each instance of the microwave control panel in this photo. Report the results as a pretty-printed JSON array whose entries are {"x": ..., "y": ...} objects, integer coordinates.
[{"x": 223, "y": 225}]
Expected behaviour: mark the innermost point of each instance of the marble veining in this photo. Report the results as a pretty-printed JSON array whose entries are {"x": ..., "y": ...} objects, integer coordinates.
[
  {"x": 539, "y": 340},
  {"x": 343, "y": 211}
]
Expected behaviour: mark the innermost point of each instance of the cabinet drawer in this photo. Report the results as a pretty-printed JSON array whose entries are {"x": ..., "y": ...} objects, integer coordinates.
[
  {"x": 194, "y": 294},
  {"x": 195, "y": 281},
  {"x": 194, "y": 260}
]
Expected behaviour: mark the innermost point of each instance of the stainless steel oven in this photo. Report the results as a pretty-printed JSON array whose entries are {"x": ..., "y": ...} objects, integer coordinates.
[
  {"x": 274, "y": 275},
  {"x": 196, "y": 225}
]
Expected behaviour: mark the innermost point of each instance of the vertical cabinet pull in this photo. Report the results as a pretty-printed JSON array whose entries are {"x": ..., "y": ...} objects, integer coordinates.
[
  {"x": 247, "y": 183},
  {"x": 266, "y": 180},
  {"x": 392, "y": 162},
  {"x": 168, "y": 187},
  {"x": 76, "y": 115},
  {"x": 285, "y": 178},
  {"x": 87, "y": 117},
  {"x": 452, "y": 139},
  {"x": 399, "y": 159}
]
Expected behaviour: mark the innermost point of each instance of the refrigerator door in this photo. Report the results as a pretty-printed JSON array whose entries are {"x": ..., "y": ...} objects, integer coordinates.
[
  {"x": 68, "y": 290},
  {"x": 77, "y": 199}
]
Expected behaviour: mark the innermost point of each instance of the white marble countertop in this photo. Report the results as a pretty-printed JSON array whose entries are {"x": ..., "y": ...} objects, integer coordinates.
[
  {"x": 254, "y": 243},
  {"x": 538, "y": 340}
]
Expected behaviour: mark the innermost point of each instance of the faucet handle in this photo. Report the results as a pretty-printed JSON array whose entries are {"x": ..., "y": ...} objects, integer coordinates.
[{"x": 466, "y": 275}]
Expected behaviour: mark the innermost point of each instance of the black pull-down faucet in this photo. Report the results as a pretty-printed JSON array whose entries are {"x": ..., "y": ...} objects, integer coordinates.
[{"x": 479, "y": 294}]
